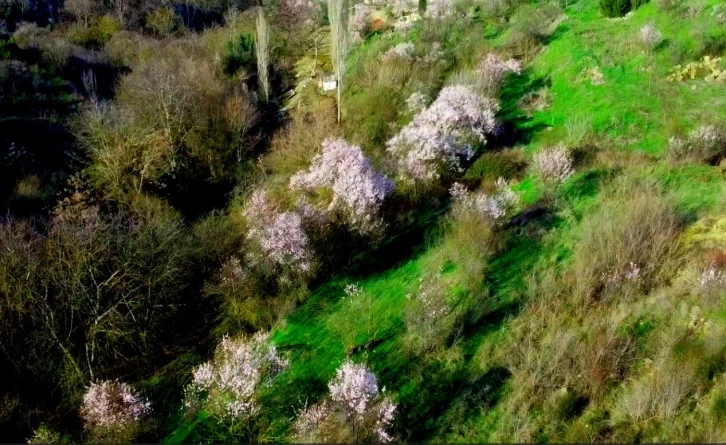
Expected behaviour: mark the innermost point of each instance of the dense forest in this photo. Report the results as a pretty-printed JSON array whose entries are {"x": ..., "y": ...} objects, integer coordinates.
[{"x": 345, "y": 221}]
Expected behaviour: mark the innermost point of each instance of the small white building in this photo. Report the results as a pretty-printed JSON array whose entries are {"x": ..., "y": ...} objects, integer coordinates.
[{"x": 329, "y": 83}]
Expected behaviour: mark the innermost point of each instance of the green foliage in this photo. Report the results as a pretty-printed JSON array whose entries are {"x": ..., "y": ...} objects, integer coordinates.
[
  {"x": 240, "y": 54},
  {"x": 97, "y": 34},
  {"x": 163, "y": 22},
  {"x": 615, "y": 8}
]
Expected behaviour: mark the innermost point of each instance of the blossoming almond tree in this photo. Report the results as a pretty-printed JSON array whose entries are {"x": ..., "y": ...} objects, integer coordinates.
[
  {"x": 226, "y": 385},
  {"x": 356, "y": 410},
  {"x": 444, "y": 133},
  {"x": 111, "y": 411},
  {"x": 356, "y": 187},
  {"x": 280, "y": 236},
  {"x": 493, "y": 70}
]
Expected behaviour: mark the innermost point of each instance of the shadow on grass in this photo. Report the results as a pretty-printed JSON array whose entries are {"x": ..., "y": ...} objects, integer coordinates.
[
  {"x": 518, "y": 127},
  {"x": 588, "y": 184},
  {"x": 437, "y": 397}
]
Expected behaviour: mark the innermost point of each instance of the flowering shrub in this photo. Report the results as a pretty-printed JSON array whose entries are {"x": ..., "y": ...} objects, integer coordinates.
[
  {"x": 111, "y": 411},
  {"x": 402, "y": 6},
  {"x": 352, "y": 289},
  {"x": 416, "y": 102},
  {"x": 280, "y": 236},
  {"x": 232, "y": 271},
  {"x": 355, "y": 409},
  {"x": 430, "y": 316},
  {"x": 443, "y": 134},
  {"x": 650, "y": 36},
  {"x": 493, "y": 70},
  {"x": 702, "y": 144},
  {"x": 553, "y": 164},
  {"x": 347, "y": 172},
  {"x": 226, "y": 385},
  {"x": 495, "y": 207},
  {"x": 435, "y": 53},
  {"x": 404, "y": 26},
  {"x": 402, "y": 51}
]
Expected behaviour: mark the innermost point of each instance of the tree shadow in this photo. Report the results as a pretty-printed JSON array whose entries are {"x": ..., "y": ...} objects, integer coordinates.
[
  {"x": 198, "y": 19},
  {"x": 439, "y": 398},
  {"x": 517, "y": 127}
]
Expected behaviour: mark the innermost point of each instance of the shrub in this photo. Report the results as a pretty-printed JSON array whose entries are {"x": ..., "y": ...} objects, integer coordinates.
[
  {"x": 402, "y": 52},
  {"x": 355, "y": 410},
  {"x": 177, "y": 123},
  {"x": 163, "y": 22},
  {"x": 443, "y": 134},
  {"x": 98, "y": 34},
  {"x": 294, "y": 146},
  {"x": 431, "y": 316},
  {"x": 650, "y": 36},
  {"x": 44, "y": 435},
  {"x": 708, "y": 69},
  {"x": 553, "y": 164},
  {"x": 490, "y": 166},
  {"x": 446, "y": 303},
  {"x": 111, "y": 411},
  {"x": 532, "y": 24},
  {"x": 704, "y": 144},
  {"x": 625, "y": 243},
  {"x": 344, "y": 169},
  {"x": 495, "y": 207}
]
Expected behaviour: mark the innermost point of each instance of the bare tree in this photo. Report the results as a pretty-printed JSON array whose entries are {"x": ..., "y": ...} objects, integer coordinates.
[
  {"x": 339, "y": 19},
  {"x": 262, "y": 51},
  {"x": 121, "y": 7},
  {"x": 81, "y": 9}
]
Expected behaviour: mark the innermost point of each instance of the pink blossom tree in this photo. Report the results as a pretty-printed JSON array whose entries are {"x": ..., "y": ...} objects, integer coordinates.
[
  {"x": 493, "y": 70},
  {"x": 357, "y": 189},
  {"x": 111, "y": 411},
  {"x": 356, "y": 409},
  {"x": 226, "y": 385},
  {"x": 279, "y": 236},
  {"x": 443, "y": 134}
]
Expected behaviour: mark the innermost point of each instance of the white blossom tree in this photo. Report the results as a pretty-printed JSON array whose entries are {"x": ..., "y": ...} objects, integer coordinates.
[
  {"x": 356, "y": 187},
  {"x": 111, "y": 411},
  {"x": 356, "y": 410}
]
